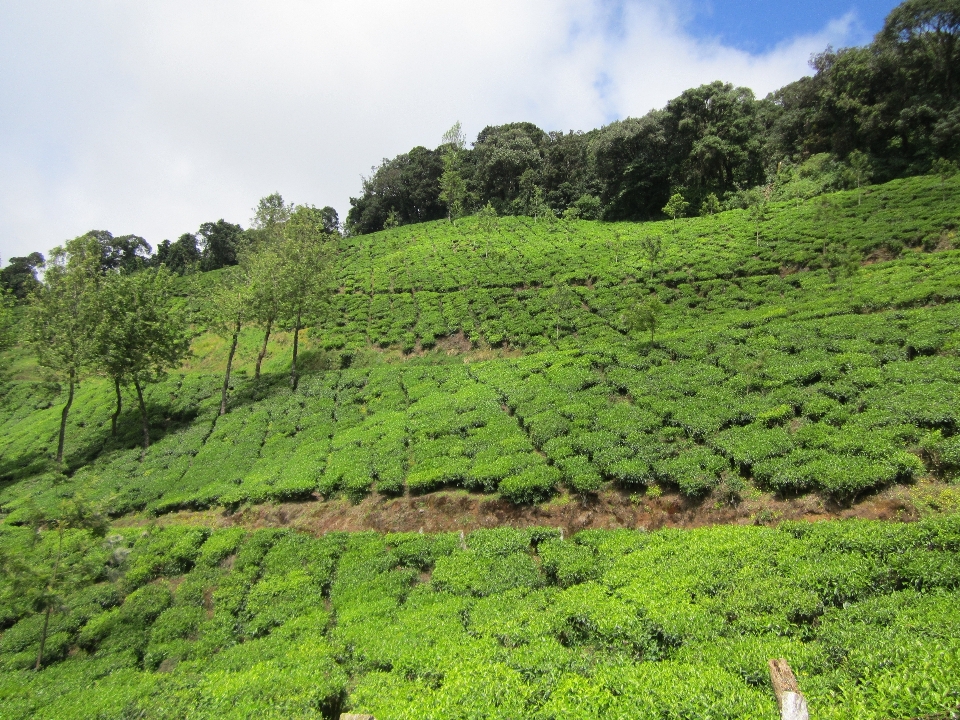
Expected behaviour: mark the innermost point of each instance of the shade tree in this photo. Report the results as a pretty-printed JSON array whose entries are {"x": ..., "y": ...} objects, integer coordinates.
[
  {"x": 305, "y": 257},
  {"x": 62, "y": 313},
  {"x": 139, "y": 333},
  {"x": 232, "y": 307}
]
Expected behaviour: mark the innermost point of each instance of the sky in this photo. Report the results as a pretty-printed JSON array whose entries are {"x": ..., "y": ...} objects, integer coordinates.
[{"x": 154, "y": 116}]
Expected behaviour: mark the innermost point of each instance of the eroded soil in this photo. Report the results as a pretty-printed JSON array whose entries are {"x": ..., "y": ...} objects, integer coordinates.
[{"x": 460, "y": 510}]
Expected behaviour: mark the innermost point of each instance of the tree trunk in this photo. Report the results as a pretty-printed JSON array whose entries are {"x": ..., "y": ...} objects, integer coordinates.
[
  {"x": 50, "y": 586},
  {"x": 263, "y": 350},
  {"x": 63, "y": 417},
  {"x": 116, "y": 414},
  {"x": 43, "y": 637},
  {"x": 792, "y": 704},
  {"x": 143, "y": 419},
  {"x": 294, "y": 378},
  {"x": 226, "y": 377}
]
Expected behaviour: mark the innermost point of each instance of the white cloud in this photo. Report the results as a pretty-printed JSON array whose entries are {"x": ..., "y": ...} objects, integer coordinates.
[{"x": 152, "y": 117}]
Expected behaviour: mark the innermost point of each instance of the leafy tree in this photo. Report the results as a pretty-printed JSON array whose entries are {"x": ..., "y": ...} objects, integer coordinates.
[
  {"x": 391, "y": 221},
  {"x": 930, "y": 28},
  {"x": 263, "y": 268},
  {"x": 220, "y": 243},
  {"x": 502, "y": 155},
  {"x": 861, "y": 170},
  {"x": 487, "y": 219},
  {"x": 127, "y": 253},
  {"x": 946, "y": 169},
  {"x": 652, "y": 246},
  {"x": 407, "y": 186},
  {"x": 140, "y": 335},
  {"x": 63, "y": 312},
  {"x": 561, "y": 298},
  {"x": 6, "y": 319},
  {"x": 710, "y": 205},
  {"x": 676, "y": 206},
  {"x": 589, "y": 207},
  {"x": 331, "y": 221},
  {"x": 42, "y": 587},
  {"x": 19, "y": 277},
  {"x": 454, "y": 139},
  {"x": 306, "y": 255},
  {"x": 759, "y": 200},
  {"x": 182, "y": 256},
  {"x": 271, "y": 212},
  {"x": 488, "y": 223},
  {"x": 645, "y": 315},
  {"x": 233, "y": 305},
  {"x": 453, "y": 188}
]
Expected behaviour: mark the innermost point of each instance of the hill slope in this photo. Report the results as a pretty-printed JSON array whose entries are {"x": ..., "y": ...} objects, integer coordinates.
[
  {"x": 812, "y": 353},
  {"x": 447, "y": 360}
]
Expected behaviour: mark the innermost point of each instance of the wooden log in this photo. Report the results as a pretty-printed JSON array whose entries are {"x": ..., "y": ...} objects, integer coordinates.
[
  {"x": 352, "y": 716},
  {"x": 792, "y": 704}
]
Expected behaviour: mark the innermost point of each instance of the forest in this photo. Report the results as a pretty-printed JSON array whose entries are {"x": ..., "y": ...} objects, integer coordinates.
[{"x": 556, "y": 426}]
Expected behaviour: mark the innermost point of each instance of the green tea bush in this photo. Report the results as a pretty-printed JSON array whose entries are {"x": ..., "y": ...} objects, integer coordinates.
[{"x": 532, "y": 485}]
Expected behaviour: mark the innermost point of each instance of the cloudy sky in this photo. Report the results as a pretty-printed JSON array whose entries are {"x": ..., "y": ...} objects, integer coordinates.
[{"x": 151, "y": 117}]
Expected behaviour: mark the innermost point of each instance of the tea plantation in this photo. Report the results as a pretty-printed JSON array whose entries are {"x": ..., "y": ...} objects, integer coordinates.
[
  {"x": 765, "y": 368},
  {"x": 814, "y": 350},
  {"x": 184, "y": 622}
]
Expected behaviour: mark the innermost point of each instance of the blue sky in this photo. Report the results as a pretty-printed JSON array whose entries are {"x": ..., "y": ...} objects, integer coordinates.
[
  {"x": 757, "y": 26},
  {"x": 155, "y": 116}
]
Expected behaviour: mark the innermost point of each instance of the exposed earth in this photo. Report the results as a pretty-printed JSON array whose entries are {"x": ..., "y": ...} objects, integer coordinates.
[{"x": 456, "y": 510}]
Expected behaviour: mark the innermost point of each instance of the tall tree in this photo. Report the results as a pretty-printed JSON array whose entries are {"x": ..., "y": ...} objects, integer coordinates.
[
  {"x": 20, "y": 275},
  {"x": 141, "y": 333},
  {"x": 263, "y": 268},
  {"x": 652, "y": 246},
  {"x": 63, "y": 312},
  {"x": 271, "y": 212},
  {"x": 453, "y": 188},
  {"x": 232, "y": 307},
  {"x": 930, "y": 28},
  {"x": 180, "y": 257},
  {"x": 219, "y": 243},
  {"x": 305, "y": 257},
  {"x": 6, "y": 319},
  {"x": 330, "y": 219}
]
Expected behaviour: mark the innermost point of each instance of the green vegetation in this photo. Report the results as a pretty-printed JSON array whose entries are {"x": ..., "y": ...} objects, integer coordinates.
[
  {"x": 879, "y": 112},
  {"x": 721, "y": 362},
  {"x": 801, "y": 336},
  {"x": 184, "y": 622}
]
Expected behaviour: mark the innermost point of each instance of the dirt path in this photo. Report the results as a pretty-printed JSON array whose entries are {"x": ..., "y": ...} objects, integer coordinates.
[{"x": 460, "y": 510}]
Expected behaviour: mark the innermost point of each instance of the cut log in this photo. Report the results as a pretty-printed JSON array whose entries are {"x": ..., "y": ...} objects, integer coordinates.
[
  {"x": 792, "y": 704},
  {"x": 352, "y": 716}
]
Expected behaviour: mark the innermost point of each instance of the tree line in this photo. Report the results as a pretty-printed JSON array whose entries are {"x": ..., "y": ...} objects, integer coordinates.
[
  {"x": 105, "y": 307},
  {"x": 886, "y": 110}
]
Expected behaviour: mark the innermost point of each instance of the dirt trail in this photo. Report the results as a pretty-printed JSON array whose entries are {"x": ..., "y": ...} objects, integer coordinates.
[{"x": 460, "y": 510}]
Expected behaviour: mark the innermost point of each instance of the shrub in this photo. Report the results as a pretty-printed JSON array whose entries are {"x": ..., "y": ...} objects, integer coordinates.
[
  {"x": 531, "y": 485},
  {"x": 695, "y": 471}
]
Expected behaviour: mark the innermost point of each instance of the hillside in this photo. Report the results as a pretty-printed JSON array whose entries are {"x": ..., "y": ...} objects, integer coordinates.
[
  {"x": 804, "y": 362},
  {"x": 445, "y": 361}
]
